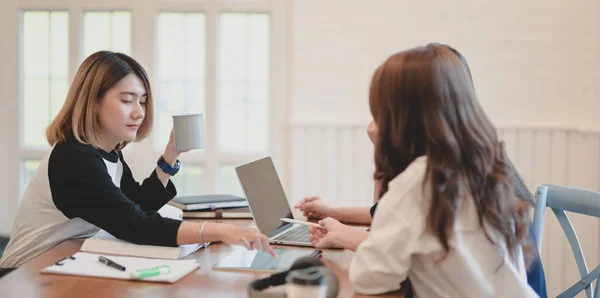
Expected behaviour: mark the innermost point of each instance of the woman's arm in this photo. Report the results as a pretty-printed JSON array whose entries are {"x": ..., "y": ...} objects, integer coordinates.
[
  {"x": 352, "y": 239},
  {"x": 152, "y": 194},
  {"x": 157, "y": 189},
  {"x": 336, "y": 234},
  {"x": 383, "y": 260},
  {"x": 170, "y": 156},
  {"x": 81, "y": 187},
  {"x": 357, "y": 215},
  {"x": 192, "y": 232}
]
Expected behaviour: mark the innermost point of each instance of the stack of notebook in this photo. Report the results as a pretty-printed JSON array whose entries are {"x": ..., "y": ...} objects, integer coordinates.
[{"x": 212, "y": 206}]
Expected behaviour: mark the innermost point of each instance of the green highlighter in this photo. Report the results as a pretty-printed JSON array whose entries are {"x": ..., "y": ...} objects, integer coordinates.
[{"x": 150, "y": 272}]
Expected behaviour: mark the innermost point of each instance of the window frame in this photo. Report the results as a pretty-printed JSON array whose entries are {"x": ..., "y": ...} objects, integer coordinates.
[
  {"x": 81, "y": 48},
  {"x": 144, "y": 14}
]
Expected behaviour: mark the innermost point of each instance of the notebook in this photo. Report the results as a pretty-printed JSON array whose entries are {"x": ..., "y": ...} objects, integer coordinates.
[
  {"x": 220, "y": 213},
  {"x": 87, "y": 264},
  {"x": 208, "y": 202},
  {"x": 104, "y": 242},
  {"x": 258, "y": 260}
]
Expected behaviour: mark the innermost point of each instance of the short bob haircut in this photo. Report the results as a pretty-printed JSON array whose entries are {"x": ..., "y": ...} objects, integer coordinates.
[{"x": 96, "y": 75}]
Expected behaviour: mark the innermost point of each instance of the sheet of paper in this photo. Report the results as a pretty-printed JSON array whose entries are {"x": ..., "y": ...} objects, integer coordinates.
[{"x": 87, "y": 264}]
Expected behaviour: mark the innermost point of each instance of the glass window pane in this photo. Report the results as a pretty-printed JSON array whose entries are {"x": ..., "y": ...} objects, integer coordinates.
[
  {"x": 171, "y": 45},
  {"x": 227, "y": 181},
  {"x": 233, "y": 47},
  {"x": 181, "y": 69},
  {"x": 259, "y": 113},
  {"x": 232, "y": 134},
  {"x": 59, "y": 47},
  {"x": 106, "y": 30},
  {"x": 195, "y": 58},
  {"x": 36, "y": 111},
  {"x": 96, "y": 32},
  {"x": 258, "y": 48},
  {"x": 190, "y": 180},
  {"x": 46, "y": 61},
  {"x": 243, "y": 97},
  {"x": 121, "y": 32},
  {"x": 36, "y": 38},
  {"x": 59, "y": 87},
  {"x": 29, "y": 167}
]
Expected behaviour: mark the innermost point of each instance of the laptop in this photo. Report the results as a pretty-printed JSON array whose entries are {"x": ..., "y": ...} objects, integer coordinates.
[{"x": 268, "y": 203}]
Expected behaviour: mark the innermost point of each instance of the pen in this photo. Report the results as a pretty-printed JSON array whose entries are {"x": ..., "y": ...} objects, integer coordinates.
[
  {"x": 310, "y": 224},
  {"x": 110, "y": 263},
  {"x": 150, "y": 272},
  {"x": 316, "y": 254}
]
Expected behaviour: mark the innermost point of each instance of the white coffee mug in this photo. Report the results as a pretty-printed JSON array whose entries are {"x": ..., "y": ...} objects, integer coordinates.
[{"x": 188, "y": 130}]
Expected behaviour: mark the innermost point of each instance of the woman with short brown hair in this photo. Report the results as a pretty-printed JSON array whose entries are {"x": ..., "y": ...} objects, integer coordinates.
[{"x": 84, "y": 184}]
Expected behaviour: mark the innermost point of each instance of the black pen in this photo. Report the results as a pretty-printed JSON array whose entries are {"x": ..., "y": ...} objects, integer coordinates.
[
  {"x": 316, "y": 254},
  {"x": 110, "y": 263}
]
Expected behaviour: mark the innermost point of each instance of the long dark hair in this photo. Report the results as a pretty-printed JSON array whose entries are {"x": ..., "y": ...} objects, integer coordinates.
[{"x": 424, "y": 104}]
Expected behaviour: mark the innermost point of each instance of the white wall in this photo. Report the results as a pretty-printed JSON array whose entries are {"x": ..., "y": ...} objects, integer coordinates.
[{"x": 532, "y": 61}]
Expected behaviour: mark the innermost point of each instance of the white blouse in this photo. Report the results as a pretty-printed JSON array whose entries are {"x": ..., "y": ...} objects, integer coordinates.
[{"x": 400, "y": 246}]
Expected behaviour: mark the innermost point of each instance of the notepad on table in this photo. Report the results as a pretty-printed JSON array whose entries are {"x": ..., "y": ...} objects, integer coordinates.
[
  {"x": 87, "y": 264},
  {"x": 103, "y": 242}
]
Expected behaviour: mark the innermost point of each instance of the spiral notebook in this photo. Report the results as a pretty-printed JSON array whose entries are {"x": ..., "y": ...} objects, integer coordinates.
[{"x": 87, "y": 264}]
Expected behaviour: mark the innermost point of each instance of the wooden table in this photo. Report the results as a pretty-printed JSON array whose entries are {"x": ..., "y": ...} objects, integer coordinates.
[{"x": 27, "y": 281}]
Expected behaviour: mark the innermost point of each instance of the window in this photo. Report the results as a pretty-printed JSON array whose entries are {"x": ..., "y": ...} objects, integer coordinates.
[
  {"x": 227, "y": 181},
  {"x": 243, "y": 103},
  {"x": 45, "y": 72},
  {"x": 28, "y": 170},
  {"x": 106, "y": 30},
  {"x": 181, "y": 69},
  {"x": 213, "y": 57},
  {"x": 189, "y": 181},
  {"x": 237, "y": 111}
]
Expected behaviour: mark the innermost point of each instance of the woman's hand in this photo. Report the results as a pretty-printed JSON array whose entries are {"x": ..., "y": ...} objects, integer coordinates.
[
  {"x": 249, "y": 237},
  {"x": 314, "y": 208},
  {"x": 171, "y": 153},
  {"x": 330, "y": 235}
]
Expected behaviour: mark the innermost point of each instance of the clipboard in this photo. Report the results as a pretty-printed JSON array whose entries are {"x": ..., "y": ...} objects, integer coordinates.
[{"x": 87, "y": 264}]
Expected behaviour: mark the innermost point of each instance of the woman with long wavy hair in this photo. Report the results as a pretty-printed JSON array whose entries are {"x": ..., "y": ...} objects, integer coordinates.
[{"x": 448, "y": 217}]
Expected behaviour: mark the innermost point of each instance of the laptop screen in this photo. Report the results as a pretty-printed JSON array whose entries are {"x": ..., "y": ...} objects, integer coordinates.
[{"x": 265, "y": 194}]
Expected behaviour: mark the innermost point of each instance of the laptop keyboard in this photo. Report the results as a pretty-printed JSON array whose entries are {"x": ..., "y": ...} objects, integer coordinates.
[{"x": 298, "y": 234}]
